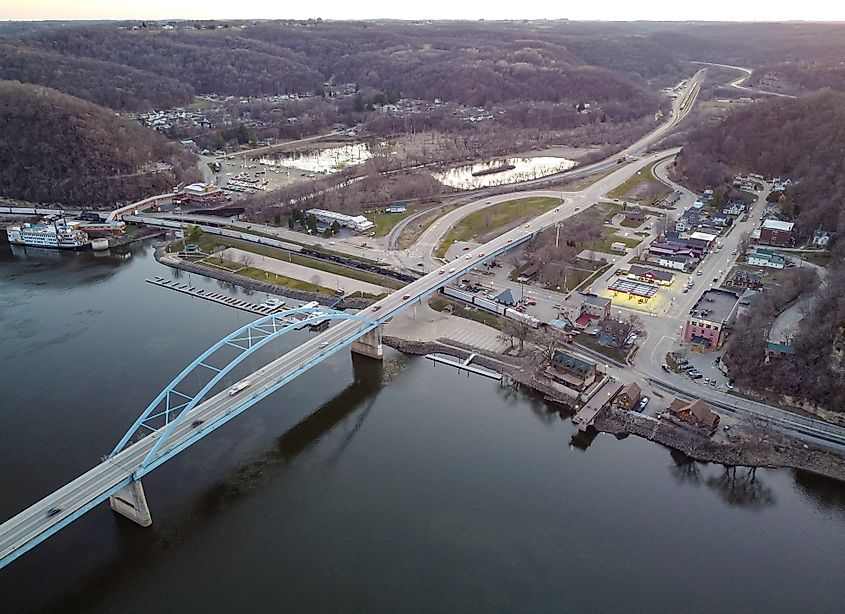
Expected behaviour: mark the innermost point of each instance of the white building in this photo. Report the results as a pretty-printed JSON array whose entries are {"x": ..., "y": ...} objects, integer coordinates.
[
  {"x": 357, "y": 223},
  {"x": 674, "y": 262},
  {"x": 767, "y": 258}
]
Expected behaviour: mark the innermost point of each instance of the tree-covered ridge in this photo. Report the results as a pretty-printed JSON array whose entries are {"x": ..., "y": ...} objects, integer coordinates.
[
  {"x": 58, "y": 148},
  {"x": 104, "y": 83}
]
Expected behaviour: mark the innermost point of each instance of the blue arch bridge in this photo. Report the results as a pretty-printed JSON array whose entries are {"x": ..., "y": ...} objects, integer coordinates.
[{"x": 177, "y": 418}]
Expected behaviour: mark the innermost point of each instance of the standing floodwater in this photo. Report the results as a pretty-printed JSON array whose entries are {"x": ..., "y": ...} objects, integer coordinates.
[{"x": 402, "y": 486}]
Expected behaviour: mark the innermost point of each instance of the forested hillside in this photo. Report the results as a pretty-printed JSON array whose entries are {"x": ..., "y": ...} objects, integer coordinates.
[
  {"x": 470, "y": 63},
  {"x": 105, "y": 83},
  {"x": 57, "y": 148},
  {"x": 802, "y": 138},
  {"x": 207, "y": 60}
]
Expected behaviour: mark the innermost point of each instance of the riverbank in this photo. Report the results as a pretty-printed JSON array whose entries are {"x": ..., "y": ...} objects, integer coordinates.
[
  {"x": 175, "y": 262},
  {"x": 769, "y": 449}
]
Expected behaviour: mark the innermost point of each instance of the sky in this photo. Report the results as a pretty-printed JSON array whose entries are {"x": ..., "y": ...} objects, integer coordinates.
[{"x": 609, "y": 10}]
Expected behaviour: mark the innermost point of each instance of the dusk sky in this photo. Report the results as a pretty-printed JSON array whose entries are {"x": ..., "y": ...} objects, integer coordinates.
[{"x": 612, "y": 10}]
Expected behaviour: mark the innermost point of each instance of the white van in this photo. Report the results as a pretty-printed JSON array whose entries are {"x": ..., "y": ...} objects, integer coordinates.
[{"x": 241, "y": 385}]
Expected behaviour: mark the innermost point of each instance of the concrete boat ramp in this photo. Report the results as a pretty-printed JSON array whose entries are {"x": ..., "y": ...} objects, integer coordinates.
[
  {"x": 465, "y": 365},
  {"x": 215, "y": 297}
]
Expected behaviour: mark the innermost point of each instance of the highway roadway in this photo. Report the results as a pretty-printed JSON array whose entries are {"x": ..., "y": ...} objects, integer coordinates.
[
  {"x": 36, "y": 523},
  {"x": 737, "y": 83}
]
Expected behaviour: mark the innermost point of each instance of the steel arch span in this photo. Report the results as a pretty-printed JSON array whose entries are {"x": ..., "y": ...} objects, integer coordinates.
[{"x": 172, "y": 406}]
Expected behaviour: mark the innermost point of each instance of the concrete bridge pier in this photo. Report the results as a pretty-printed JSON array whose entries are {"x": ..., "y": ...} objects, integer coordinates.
[
  {"x": 369, "y": 344},
  {"x": 131, "y": 502}
]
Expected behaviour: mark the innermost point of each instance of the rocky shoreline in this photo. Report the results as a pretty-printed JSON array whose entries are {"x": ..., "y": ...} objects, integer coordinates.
[{"x": 773, "y": 450}]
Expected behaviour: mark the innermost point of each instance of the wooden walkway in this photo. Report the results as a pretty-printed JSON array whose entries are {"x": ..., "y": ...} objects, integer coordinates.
[
  {"x": 215, "y": 297},
  {"x": 601, "y": 397}
]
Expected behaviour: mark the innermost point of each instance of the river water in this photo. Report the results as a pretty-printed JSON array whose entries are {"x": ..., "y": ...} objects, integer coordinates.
[{"x": 364, "y": 487}]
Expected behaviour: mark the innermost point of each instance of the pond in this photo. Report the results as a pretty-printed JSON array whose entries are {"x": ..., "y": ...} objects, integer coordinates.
[{"x": 502, "y": 171}]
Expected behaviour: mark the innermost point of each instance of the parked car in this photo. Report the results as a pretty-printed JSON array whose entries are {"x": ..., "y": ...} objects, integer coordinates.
[{"x": 643, "y": 402}]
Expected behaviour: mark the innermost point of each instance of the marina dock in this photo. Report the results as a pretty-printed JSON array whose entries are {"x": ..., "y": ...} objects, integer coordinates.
[
  {"x": 598, "y": 401},
  {"x": 215, "y": 297},
  {"x": 465, "y": 365}
]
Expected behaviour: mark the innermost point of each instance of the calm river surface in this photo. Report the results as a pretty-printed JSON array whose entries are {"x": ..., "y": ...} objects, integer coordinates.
[{"x": 365, "y": 487}]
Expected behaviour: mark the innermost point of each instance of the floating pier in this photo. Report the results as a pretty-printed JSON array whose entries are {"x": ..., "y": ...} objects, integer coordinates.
[
  {"x": 465, "y": 365},
  {"x": 215, "y": 297}
]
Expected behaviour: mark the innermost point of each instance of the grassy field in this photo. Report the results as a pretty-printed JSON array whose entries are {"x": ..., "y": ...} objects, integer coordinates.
[
  {"x": 207, "y": 244},
  {"x": 439, "y": 303},
  {"x": 386, "y": 221},
  {"x": 265, "y": 276},
  {"x": 603, "y": 211},
  {"x": 574, "y": 275},
  {"x": 643, "y": 187},
  {"x": 499, "y": 217},
  {"x": 592, "y": 342},
  {"x": 316, "y": 248},
  {"x": 818, "y": 258},
  {"x": 412, "y": 231},
  {"x": 631, "y": 223},
  {"x": 591, "y": 278},
  {"x": 608, "y": 238}
]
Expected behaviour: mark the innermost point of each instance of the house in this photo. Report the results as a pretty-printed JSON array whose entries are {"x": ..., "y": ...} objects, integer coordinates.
[
  {"x": 709, "y": 319},
  {"x": 652, "y": 276},
  {"x": 530, "y": 271},
  {"x": 745, "y": 279},
  {"x": 734, "y": 209},
  {"x": 679, "y": 263},
  {"x": 775, "y": 232},
  {"x": 635, "y": 214},
  {"x": 766, "y": 258},
  {"x": 694, "y": 413},
  {"x": 821, "y": 238},
  {"x": 614, "y": 334},
  {"x": 704, "y": 240},
  {"x": 506, "y": 298},
  {"x": 574, "y": 371},
  {"x": 593, "y": 307},
  {"x": 627, "y": 397},
  {"x": 688, "y": 220},
  {"x": 722, "y": 220}
]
